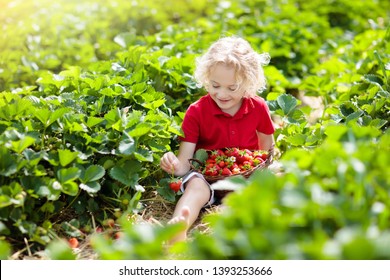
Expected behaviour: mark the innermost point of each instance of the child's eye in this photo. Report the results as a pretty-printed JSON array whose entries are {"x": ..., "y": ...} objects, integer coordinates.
[
  {"x": 232, "y": 89},
  {"x": 214, "y": 86}
]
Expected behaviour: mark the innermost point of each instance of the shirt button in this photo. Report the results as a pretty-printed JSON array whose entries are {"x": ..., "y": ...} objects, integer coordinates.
[{"x": 233, "y": 132}]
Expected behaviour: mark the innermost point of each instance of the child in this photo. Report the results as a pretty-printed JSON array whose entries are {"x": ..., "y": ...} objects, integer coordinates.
[{"x": 230, "y": 115}]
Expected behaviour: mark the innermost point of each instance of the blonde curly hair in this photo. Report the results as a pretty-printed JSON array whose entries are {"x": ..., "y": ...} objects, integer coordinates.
[{"x": 235, "y": 52}]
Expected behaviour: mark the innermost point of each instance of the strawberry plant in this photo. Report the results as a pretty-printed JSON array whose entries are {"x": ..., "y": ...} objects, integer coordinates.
[
  {"x": 303, "y": 215},
  {"x": 87, "y": 107},
  {"x": 68, "y": 147}
]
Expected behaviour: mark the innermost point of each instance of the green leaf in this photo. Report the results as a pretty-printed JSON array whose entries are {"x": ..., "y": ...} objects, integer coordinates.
[
  {"x": 144, "y": 155},
  {"x": 93, "y": 173},
  {"x": 5, "y": 201},
  {"x": 5, "y": 248},
  {"x": 125, "y": 39},
  {"x": 70, "y": 188},
  {"x": 373, "y": 79},
  {"x": 354, "y": 116},
  {"x": 52, "y": 190},
  {"x": 297, "y": 139},
  {"x": 68, "y": 174},
  {"x": 92, "y": 121},
  {"x": 90, "y": 187},
  {"x": 8, "y": 162},
  {"x": 14, "y": 110},
  {"x": 126, "y": 172},
  {"x": 175, "y": 130},
  {"x": 22, "y": 144},
  {"x": 42, "y": 114},
  {"x": 60, "y": 250},
  {"x": 287, "y": 103},
  {"x": 139, "y": 88},
  {"x": 140, "y": 130},
  {"x": 67, "y": 156},
  {"x": 32, "y": 157},
  {"x": 165, "y": 191},
  {"x": 47, "y": 207},
  {"x": 48, "y": 117},
  {"x": 201, "y": 155},
  {"x": 378, "y": 123},
  {"x": 127, "y": 145},
  {"x": 113, "y": 116}
]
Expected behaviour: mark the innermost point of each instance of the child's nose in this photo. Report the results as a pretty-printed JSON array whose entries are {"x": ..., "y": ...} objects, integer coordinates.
[{"x": 222, "y": 92}]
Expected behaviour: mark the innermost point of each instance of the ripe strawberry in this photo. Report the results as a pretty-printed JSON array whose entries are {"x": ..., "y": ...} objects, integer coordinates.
[
  {"x": 73, "y": 242},
  {"x": 175, "y": 185},
  {"x": 248, "y": 164},
  {"x": 261, "y": 154},
  {"x": 232, "y": 152},
  {"x": 118, "y": 235},
  {"x": 234, "y": 166},
  {"x": 221, "y": 161},
  {"x": 215, "y": 153},
  {"x": 212, "y": 170},
  {"x": 226, "y": 172},
  {"x": 244, "y": 155}
]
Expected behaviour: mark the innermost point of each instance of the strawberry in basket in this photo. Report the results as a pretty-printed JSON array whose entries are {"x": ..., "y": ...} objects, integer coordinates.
[{"x": 221, "y": 163}]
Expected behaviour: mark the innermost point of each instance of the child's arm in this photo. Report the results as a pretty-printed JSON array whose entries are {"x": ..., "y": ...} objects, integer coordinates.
[
  {"x": 178, "y": 165},
  {"x": 266, "y": 141}
]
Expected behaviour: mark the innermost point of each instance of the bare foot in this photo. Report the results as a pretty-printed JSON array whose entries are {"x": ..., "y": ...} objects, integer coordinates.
[{"x": 183, "y": 217}]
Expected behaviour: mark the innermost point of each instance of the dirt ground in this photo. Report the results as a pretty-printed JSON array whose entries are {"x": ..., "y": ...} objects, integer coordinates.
[{"x": 157, "y": 211}]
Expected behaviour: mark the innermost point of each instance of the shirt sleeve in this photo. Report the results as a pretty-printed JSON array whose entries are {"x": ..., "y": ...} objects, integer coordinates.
[
  {"x": 190, "y": 126},
  {"x": 265, "y": 125}
]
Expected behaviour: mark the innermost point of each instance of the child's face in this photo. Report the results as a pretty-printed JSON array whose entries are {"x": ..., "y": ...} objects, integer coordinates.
[{"x": 223, "y": 89}]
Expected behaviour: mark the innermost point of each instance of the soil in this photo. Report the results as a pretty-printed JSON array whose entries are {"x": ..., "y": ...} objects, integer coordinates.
[{"x": 157, "y": 211}]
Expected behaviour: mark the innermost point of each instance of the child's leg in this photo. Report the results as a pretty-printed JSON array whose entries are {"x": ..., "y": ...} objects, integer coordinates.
[{"x": 195, "y": 196}]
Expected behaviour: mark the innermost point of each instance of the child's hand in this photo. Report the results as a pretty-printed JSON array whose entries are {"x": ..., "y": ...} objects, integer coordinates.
[{"x": 170, "y": 163}]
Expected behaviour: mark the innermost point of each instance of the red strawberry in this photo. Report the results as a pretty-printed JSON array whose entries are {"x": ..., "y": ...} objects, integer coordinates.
[
  {"x": 175, "y": 185},
  {"x": 248, "y": 164},
  {"x": 212, "y": 170},
  {"x": 234, "y": 166},
  {"x": 73, "y": 242},
  {"x": 216, "y": 153},
  {"x": 209, "y": 161},
  {"x": 262, "y": 154},
  {"x": 220, "y": 160},
  {"x": 232, "y": 152},
  {"x": 226, "y": 172},
  {"x": 118, "y": 235},
  {"x": 244, "y": 155}
]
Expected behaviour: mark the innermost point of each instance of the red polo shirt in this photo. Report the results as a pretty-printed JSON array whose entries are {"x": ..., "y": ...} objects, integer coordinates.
[{"x": 210, "y": 128}]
